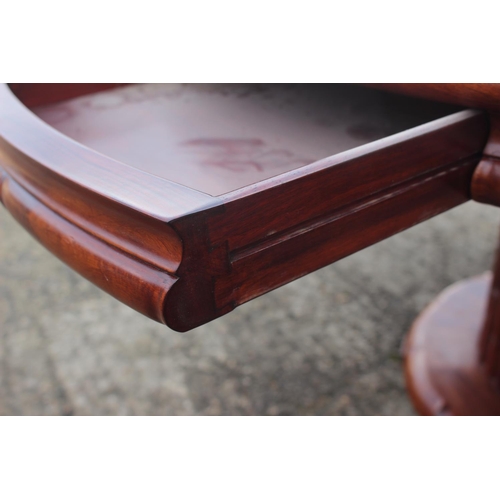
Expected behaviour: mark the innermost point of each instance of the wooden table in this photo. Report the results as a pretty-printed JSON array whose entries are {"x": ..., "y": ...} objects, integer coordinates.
[{"x": 185, "y": 201}]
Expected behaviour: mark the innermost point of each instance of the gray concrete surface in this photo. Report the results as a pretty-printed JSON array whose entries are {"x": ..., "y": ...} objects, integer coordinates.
[{"x": 328, "y": 344}]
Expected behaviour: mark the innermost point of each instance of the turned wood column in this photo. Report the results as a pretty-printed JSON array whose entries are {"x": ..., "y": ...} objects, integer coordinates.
[
  {"x": 489, "y": 351},
  {"x": 452, "y": 355},
  {"x": 486, "y": 189}
]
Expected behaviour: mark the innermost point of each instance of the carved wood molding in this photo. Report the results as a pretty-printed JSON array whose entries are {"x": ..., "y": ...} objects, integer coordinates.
[{"x": 183, "y": 257}]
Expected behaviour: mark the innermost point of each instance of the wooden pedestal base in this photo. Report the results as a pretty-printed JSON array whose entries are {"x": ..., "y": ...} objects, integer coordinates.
[{"x": 443, "y": 371}]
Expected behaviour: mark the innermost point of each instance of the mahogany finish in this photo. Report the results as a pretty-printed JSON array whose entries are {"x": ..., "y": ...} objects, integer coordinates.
[
  {"x": 486, "y": 180},
  {"x": 39, "y": 94},
  {"x": 219, "y": 138},
  {"x": 113, "y": 271},
  {"x": 453, "y": 349},
  {"x": 195, "y": 256},
  {"x": 475, "y": 95},
  {"x": 489, "y": 347},
  {"x": 443, "y": 370},
  {"x": 360, "y": 197},
  {"x": 331, "y": 181}
]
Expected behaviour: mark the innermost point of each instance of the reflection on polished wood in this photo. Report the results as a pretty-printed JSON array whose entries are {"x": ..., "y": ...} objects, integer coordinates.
[
  {"x": 218, "y": 138},
  {"x": 185, "y": 257},
  {"x": 445, "y": 370},
  {"x": 187, "y": 201}
]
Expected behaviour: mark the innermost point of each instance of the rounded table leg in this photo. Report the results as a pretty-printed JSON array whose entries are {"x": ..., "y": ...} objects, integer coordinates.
[{"x": 444, "y": 359}]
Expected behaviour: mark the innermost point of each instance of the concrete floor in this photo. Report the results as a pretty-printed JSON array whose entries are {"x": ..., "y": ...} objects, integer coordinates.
[{"x": 327, "y": 344}]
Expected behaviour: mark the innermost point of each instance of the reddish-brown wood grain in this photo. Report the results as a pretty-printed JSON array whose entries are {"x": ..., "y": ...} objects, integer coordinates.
[
  {"x": 128, "y": 230},
  {"x": 359, "y": 197},
  {"x": 486, "y": 189},
  {"x": 310, "y": 192},
  {"x": 489, "y": 355},
  {"x": 475, "y": 95},
  {"x": 183, "y": 257},
  {"x": 39, "y": 94},
  {"x": 453, "y": 349},
  {"x": 219, "y": 138},
  {"x": 137, "y": 285},
  {"x": 486, "y": 181},
  {"x": 345, "y": 231},
  {"x": 107, "y": 220},
  {"x": 443, "y": 367},
  {"x": 45, "y": 150}
]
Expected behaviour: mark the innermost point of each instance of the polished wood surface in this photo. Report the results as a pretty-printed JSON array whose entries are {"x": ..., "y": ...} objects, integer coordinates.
[
  {"x": 453, "y": 350},
  {"x": 444, "y": 371},
  {"x": 196, "y": 256},
  {"x": 276, "y": 261},
  {"x": 42, "y": 153},
  {"x": 489, "y": 348},
  {"x": 186, "y": 201},
  {"x": 475, "y": 95},
  {"x": 138, "y": 285},
  {"x": 218, "y": 138},
  {"x": 486, "y": 180},
  {"x": 40, "y": 94},
  {"x": 340, "y": 180}
]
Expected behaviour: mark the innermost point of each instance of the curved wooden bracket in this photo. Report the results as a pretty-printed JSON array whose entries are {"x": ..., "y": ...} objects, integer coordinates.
[{"x": 485, "y": 186}]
